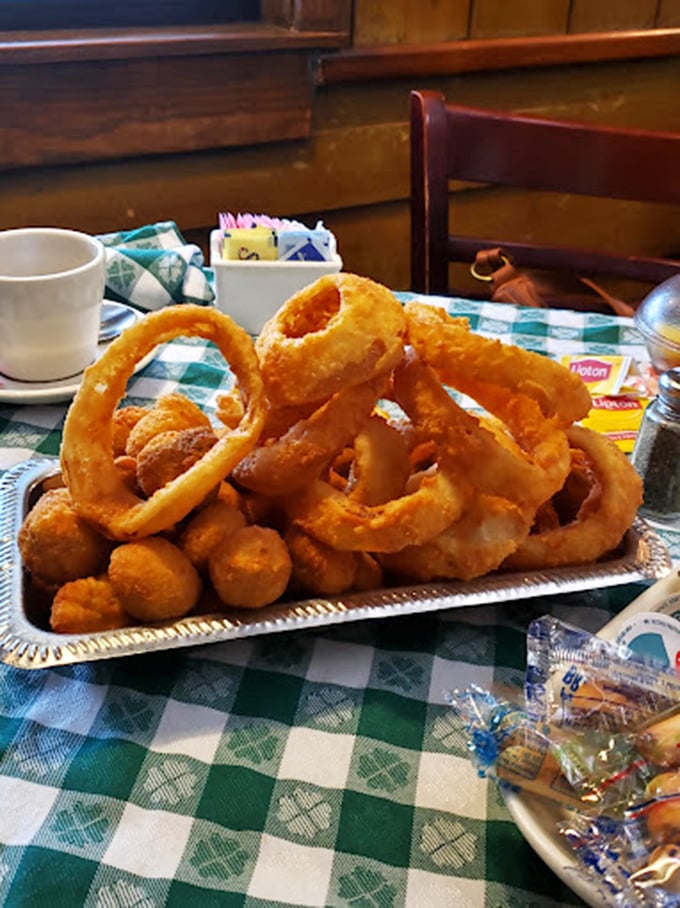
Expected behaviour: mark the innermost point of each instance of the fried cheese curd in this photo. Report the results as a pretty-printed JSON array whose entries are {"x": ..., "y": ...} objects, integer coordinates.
[
  {"x": 252, "y": 569},
  {"x": 171, "y": 412},
  {"x": 340, "y": 460},
  {"x": 56, "y": 545},
  {"x": 168, "y": 454},
  {"x": 87, "y": 605},
  {"x": 154, "y": 580},
  {"x": 210, "y": 528}
]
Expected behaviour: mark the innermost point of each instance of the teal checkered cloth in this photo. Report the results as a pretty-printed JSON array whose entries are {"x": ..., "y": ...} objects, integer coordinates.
[
  {"x": 154, "y": 266},
  {"x": 306, "y": 768}
]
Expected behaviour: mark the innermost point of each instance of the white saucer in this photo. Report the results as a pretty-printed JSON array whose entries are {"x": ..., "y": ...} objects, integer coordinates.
[{"x": 52, "y": 392}]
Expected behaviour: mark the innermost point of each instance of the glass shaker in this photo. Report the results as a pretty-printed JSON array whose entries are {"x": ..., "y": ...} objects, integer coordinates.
[{"x": 656, "y": 455}]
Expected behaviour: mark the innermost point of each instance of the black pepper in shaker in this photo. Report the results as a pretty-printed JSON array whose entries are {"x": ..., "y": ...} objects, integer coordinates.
[{"x": 656, "y": 455}]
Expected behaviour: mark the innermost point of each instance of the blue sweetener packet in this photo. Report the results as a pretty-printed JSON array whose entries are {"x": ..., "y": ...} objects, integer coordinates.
[{"x": 317, "y": 245}]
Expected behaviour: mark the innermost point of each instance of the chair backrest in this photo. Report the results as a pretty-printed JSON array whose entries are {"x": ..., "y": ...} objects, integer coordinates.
[{"x": 451, "y": 142}]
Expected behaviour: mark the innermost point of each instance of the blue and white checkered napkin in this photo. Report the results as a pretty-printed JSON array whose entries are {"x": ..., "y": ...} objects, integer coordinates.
[{"x": 154, "y": 266}]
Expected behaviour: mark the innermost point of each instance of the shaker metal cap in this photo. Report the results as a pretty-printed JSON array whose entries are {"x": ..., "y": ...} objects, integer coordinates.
[{"x": 669, "y": 388}]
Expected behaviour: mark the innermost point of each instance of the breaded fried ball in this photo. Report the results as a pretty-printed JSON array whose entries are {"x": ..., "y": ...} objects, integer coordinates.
[
  {"x": 253, "y": 569},
  {"x": 86, "y": 606},
  {"x": 154, "y": 580},
  {"x": 208, "y": 529},
  {"x": 318, "y": 568},
  {"x": 56, "y": 545},
  {"x": 169, "y": 454},
  {"x": 127, "y": 467},
  {"x": 123, "y": 421},
  {"x": 228, "y": 494},
  {"x": 170, "y": 412}
]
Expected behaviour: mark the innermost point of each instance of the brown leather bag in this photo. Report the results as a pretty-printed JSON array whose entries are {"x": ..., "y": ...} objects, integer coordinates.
[{"x": 542, "y": 289}]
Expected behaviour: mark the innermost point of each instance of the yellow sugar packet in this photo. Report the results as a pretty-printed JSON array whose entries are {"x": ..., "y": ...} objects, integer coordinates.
[{"x": 250, "y": 244}]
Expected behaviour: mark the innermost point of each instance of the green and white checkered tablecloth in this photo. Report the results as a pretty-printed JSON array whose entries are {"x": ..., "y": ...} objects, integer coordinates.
[{"x": 306, "y": 768}]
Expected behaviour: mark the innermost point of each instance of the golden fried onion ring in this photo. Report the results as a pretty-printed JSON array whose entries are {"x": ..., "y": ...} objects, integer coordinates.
[
  {"x": 527, "y": 473},
  {"x": 341, "y": 330},
  {"x": 98, "y": 490},
  {"x": 415, "y": 517},
  {"x": 507, "y": 478},
  {"x": 279, "y": 466},
  {"x": 488, "y": 531},
  {"x": 380, "y": 464},
  {"x": 464, "y": 360},
  {"x": 595, "y": 530}
]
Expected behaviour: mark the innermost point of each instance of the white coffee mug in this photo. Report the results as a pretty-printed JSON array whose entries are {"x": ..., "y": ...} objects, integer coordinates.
[{"x": 51, "y": 291}]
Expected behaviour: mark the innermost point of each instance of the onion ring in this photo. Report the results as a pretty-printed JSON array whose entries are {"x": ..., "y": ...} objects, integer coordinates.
[
  {"x": 413, "y": 518},
  {"x": 379, "y": 464},
  {"x": 98, "y": 490},
  {"x": 464, "y": 360},
  {"x": 509, "y": 478},
  {"x": 283, "y": 465},
  {"x": 595, "y": 530},
  {"x": 428, "y": 503},
  {"x": 490, "y": 529},
  {"x": 473, "y": 452},
  {"x": 341, "y": 330}
]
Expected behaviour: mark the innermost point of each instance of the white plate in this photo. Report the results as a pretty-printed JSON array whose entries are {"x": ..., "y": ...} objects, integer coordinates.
[
  {"x": 537, "y": 818},
  {"x": 52, "y": 392}
]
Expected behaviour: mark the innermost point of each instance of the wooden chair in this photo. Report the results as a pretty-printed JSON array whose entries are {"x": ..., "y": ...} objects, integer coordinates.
[{"x": 452, "y": 142}]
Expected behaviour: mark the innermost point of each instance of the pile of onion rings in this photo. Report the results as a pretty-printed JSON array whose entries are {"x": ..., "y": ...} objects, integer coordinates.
[{"x": 340, "y": 460}]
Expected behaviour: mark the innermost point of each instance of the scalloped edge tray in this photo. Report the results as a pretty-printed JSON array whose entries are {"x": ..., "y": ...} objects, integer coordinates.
[{"x": 24, "y": 645}]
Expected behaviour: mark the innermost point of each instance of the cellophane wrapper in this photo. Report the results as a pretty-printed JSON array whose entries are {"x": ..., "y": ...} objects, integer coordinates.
[{"x": 594, "y": 710}]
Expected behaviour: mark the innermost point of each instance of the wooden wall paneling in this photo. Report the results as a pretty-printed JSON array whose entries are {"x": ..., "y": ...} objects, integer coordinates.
[
  {"x": 668, "y": 15},
  {"x": 387, "y": 62},
  {"x": 80, "y": 111},
  {"x": 497, "y": 18},
  {"x": 331, "y": 15},
  {"x": 640, "y": 93},
  {"x": 353, "y": 168},
  {"x": 409, "y": 21},
  {"x": 373, "y": 240},
  {"x": 603, "y": 15}
]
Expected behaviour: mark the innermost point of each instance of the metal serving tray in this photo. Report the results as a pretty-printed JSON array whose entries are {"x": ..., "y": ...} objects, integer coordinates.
[{"x": 24, "y": 644}]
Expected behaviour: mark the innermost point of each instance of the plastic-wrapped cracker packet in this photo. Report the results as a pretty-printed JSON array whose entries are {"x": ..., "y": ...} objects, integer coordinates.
[
  {"x": 577, "y": 678},
  {"x": 621, "y": 861},
  {"x": 599, "y": 732},
  {"x": 604, "y": 704},
  {"x": 506, "y": 745},
  {"x": 629, "y": 847}
]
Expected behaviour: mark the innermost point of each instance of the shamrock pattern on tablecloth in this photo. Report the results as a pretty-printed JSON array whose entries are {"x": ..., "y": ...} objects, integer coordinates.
[
  {"x": 218, "y": 856},
  {"x": 169, "y": 782}
]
